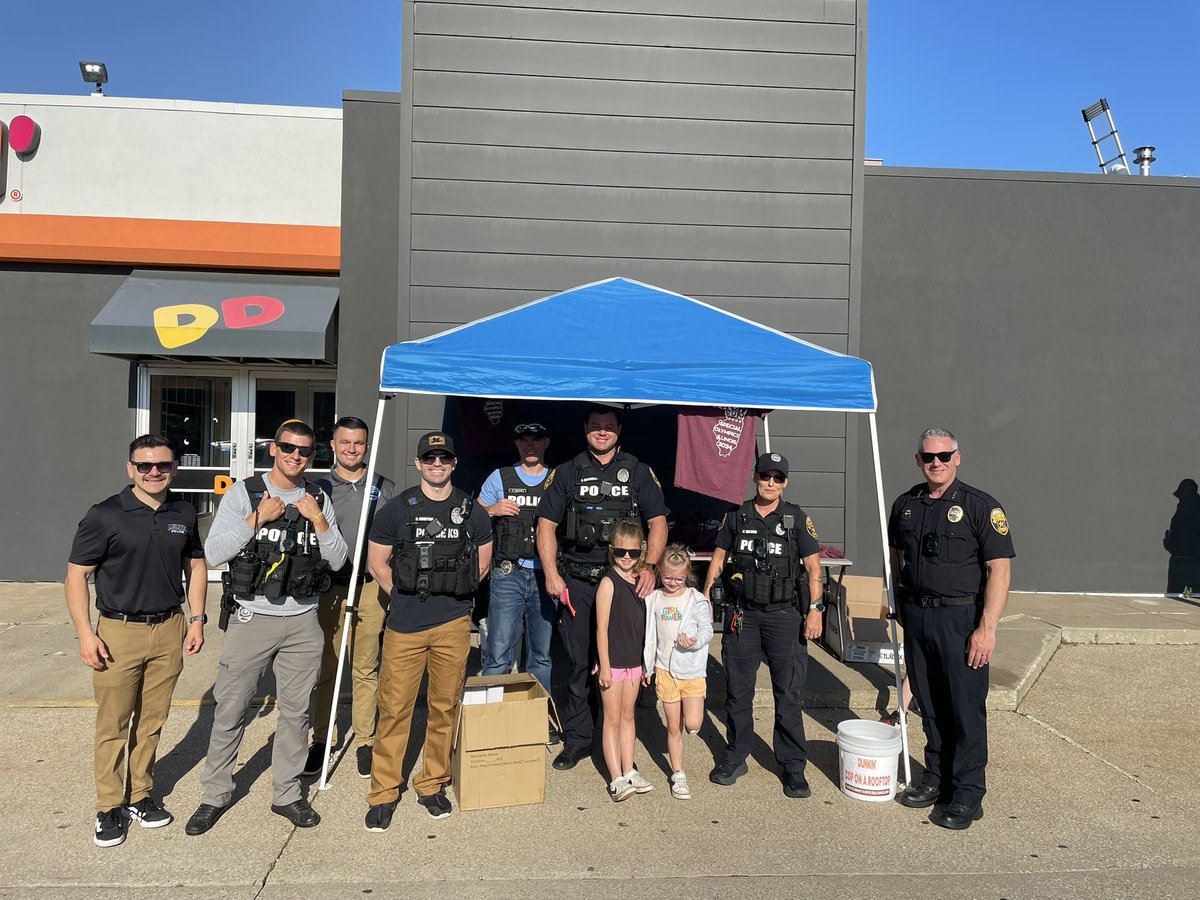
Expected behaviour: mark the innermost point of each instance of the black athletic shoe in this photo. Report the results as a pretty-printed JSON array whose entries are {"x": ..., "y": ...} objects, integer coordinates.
[
  {"x": 111, "y": 827},
  {"x": 437, "y": 805},
  {"x": 149, "y": 813},
  {"x": 727, "y": 772},
  {"x": 379, "y": 817},
  {"x": 363, "y": 757},
  {"x": 204, "y": 818},
  {"x": 300, "y": 813}
]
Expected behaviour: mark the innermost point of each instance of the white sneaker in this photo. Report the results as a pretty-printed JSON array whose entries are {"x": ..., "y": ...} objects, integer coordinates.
[
  {"x": 621, "y": 789},
  {"x": 679, "y": 787},
  {"x": 640, "y": 784}
]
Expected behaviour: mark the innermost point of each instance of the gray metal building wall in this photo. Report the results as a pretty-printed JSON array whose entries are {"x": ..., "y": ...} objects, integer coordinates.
[
  {"x": 1050, "y": 322},
  {"x": 69, "y": 413},
  {"x": 708, "y": 148}
]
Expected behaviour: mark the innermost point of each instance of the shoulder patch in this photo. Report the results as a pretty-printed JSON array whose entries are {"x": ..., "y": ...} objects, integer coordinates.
[
  {"x": 812, "y": 529},
  {"x": 550, "y": 477},
  {"x": 999, "y": 521},
  {"x": 654, "y": 477}
]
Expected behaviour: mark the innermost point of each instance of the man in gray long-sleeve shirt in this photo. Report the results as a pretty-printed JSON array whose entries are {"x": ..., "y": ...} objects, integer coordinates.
[{"x": 288, "y": 530}]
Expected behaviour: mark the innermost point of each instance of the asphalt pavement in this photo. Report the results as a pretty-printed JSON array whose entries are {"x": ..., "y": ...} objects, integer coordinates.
[{"x": 1093, "y": 791}]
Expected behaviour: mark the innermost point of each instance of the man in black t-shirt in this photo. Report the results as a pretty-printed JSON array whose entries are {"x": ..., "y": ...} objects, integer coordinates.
[
  {"x": 429, "y": 548},
  {"x": 140, "y": 544}
]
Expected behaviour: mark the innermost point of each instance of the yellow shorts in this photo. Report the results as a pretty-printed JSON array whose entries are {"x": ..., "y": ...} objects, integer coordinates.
[{"x": 671, "y": 689}]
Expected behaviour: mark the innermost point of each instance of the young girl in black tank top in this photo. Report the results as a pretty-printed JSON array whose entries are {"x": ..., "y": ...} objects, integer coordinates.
[{"x": 620, "y": 636}]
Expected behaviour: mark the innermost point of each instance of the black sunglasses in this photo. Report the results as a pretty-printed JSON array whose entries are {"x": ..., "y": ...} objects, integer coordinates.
[
  {"x": 531, "y": 429},
  {"x": 429, "y": 458},
  {"x": 618, "y": 552},
  {"x": 288, "y": 449},
  {"x": 776, "y": 479},
  {"x": 145, "y": 468},
  {"x": 944, "y": 456}
]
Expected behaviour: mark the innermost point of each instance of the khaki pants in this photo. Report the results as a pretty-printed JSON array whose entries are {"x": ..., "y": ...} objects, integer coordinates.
[
  {"x": 133, "y": 698},
  {"x": 443, "y": 651},
  {"x": 365, "y": 632}
]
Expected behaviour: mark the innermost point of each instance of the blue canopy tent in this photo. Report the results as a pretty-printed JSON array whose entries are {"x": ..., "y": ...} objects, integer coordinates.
[{"x": 622, "y": 342}]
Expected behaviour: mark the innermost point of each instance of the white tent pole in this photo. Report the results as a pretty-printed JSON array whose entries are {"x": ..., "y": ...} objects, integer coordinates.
[
  {"x": 766, "y": 434},
  {"x": 352, "y": 594},
  {"x": 891, "y": 596}
]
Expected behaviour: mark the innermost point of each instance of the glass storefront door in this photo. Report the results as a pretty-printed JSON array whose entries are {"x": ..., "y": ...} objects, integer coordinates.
[{"x": 223, "y": 420}]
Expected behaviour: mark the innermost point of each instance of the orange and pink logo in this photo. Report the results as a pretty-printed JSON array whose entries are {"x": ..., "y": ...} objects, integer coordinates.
[{"x": 186, "y": 323}]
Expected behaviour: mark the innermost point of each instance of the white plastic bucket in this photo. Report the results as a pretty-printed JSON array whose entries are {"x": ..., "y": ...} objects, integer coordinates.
[{"x": 867, "y": 756}]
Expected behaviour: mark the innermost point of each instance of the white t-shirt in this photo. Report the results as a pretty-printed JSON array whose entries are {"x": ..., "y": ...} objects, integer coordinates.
[{"x": 668, "y": 617}]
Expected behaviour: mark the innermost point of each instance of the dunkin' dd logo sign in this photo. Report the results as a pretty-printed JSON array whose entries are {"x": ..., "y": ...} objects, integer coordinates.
[{"x": 186, "y": 323}]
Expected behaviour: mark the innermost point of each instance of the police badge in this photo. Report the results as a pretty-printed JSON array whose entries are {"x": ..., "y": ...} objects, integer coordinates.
[
  {"x": 456, "y": 515},
  {"x": 244, "y": 615},
  {"x": 622, "y": 475}
]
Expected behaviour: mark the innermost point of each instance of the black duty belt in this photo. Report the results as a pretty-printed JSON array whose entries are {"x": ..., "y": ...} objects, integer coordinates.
[
  {"x": 141, "y": 619},
  {"x": 582, "y": 571},
  {"x": 770, "y": 607},
  {"x": 929, "y": 602}
]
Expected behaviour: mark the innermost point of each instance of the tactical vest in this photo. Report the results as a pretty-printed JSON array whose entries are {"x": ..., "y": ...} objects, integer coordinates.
[
  {"x": 435, "y": 557},
  {"x": 598, "y": 503},
  {"x": 515, "y": 535},
  {"x": 284, "y": 557},
  {"x": 766, "y": 559}
]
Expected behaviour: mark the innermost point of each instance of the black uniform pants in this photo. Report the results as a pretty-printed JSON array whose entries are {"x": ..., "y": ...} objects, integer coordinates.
[
  {"x": 952, "y": 696},
  {"x": 578, "y": 633},
  {"x": 778, "y": 636}
]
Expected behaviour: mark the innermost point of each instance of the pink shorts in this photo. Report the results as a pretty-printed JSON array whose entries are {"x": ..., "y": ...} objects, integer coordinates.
[{"x": 634, "y": 674}]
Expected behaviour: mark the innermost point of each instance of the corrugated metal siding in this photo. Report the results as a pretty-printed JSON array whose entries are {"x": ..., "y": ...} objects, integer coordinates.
[{"x": 702, "y": 146}]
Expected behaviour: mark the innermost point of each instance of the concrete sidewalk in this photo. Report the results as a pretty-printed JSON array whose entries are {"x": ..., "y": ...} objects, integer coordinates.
[{"x": 1091, "y": 789}]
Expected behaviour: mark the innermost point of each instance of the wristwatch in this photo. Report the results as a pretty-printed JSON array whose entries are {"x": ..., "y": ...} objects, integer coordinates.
[
  {"x": 202, "y": 619},
  {"x": 819, "y": 606}
]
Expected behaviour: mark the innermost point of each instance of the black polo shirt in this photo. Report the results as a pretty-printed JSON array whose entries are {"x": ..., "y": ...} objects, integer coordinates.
[
  {"x": 946, "y": 543},
  {"x": 140, "y": 553},
  {"x": 560, "y": 488}
]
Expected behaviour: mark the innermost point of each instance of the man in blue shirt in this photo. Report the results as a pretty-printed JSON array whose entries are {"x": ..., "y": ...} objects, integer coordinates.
[{"x": 517, "y": 593}]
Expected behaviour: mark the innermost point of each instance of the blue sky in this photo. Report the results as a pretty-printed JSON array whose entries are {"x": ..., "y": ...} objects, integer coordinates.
[{"x": 960, "y": 84}]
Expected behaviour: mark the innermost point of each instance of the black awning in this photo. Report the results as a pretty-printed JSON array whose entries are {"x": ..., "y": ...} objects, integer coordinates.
[{"x": 222, "y": 315}]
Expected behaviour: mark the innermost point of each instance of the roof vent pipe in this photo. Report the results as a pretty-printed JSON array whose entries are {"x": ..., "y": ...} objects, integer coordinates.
[{"x": 1144, "y": 156}]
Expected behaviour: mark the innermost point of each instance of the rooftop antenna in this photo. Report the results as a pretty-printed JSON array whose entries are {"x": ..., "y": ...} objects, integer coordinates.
[{"x": 1120, "y": 165}]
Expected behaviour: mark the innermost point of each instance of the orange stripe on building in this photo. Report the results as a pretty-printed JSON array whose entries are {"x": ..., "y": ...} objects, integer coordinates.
[{"x": 170, "y": 242}]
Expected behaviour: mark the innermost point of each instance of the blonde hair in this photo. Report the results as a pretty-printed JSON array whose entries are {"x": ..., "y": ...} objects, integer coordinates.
[
  {"x": 677, "y": 555},
  {"x": 628, "y": 530}
]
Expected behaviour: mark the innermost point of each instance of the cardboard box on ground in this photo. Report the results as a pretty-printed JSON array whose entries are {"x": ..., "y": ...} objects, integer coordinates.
[
  {"x": 857, "y": 629},
  {"x": 500, "y": 742}
]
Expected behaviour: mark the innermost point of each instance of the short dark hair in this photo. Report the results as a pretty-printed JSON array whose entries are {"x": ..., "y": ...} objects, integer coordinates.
[
  {"x": 150, "y": 441},
  {"x": 599, "y": 409},
  {"x": 351, "y": 423},
  {"x": 296, "y": 427}
]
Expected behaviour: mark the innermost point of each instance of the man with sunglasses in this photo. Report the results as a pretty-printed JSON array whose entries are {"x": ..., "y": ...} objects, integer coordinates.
[
  {"x": 346, "y": 487},
  {"x": 517, "y": 598},
  {"x": 951, "y": 546},
  {"x": 429, "y": 548},
  {"x": 138, "y": 543},
  {"x": 584, "y": 498},
  {"x": 279, "y": 534},
  {"x": 773, "y": 549}
]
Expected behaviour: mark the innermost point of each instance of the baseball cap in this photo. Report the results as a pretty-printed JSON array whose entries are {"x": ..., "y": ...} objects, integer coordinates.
[
  {"x": 434, "y": 441},
  {"x": 772, "y": 462}
]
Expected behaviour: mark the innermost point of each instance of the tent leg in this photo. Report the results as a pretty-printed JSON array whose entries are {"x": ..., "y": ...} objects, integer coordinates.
[
  {"x": 766, "y": 434},
  {"x": 352, "y": 595},
  {"x": 891, "y": 596}
]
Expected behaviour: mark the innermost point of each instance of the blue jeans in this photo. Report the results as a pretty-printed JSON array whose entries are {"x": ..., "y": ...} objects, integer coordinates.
[{"x": 519, "y": 597}]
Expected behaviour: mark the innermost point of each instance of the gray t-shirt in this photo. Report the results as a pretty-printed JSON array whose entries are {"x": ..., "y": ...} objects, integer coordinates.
[
  {"x": 230, "y": 533},
  {"x": 347, "y": 497}
]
